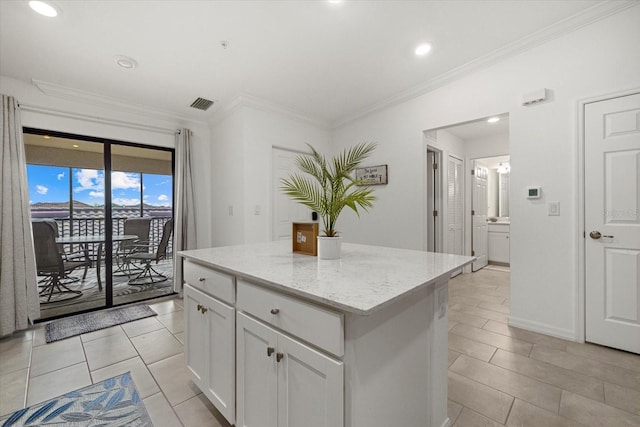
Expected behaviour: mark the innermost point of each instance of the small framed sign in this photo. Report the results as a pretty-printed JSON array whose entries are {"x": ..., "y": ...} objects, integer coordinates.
[
  {"x": 305, "y": 238},
  {"x": 372, "y": 175}
]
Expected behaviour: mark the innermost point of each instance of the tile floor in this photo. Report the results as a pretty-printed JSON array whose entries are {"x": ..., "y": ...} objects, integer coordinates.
[{"x": 497, "y": 375}]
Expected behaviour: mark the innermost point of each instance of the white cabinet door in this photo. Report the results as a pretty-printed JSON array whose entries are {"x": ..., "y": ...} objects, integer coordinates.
[
  {"x": 498, "y": 247},
  {"x": 257, "y": 379},
  {"x": 284, "y": 383},
  {"x": 210, "y": 348},
  {"x": 195, "y": 349},
  {"x": 221, "y": 389},
  {"x": 310, "y": 386}
]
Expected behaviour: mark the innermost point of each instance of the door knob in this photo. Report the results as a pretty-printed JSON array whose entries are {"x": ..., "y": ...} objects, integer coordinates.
[{"x": 596, "y": 235}]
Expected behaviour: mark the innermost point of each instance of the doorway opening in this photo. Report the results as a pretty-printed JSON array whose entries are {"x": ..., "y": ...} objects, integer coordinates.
[
  {"x": 109, "y": 206},
  {"x": 474, "y": 195}
]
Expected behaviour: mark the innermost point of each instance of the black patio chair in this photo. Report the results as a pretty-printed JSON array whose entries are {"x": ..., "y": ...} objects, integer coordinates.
[
  {"x": 50, "y": 263},
  {"x": 134, "y": 226},
  {"x": 149, "y": 275}
]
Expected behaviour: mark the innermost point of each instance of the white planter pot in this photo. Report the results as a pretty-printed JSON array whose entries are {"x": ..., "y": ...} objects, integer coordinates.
[{"x": 329, "y": 247}]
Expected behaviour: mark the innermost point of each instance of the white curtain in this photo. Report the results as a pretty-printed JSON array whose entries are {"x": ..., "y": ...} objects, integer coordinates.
[
  {"x": 184, "y": 223},
  {"x": 19, "y": 300}
]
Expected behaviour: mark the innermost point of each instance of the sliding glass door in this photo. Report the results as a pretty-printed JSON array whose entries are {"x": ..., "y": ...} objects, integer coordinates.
[{"x": 111, "y": 207}]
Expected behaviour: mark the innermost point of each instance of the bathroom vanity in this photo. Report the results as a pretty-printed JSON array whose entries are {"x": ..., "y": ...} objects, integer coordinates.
[{"x": 274, "y": 338}]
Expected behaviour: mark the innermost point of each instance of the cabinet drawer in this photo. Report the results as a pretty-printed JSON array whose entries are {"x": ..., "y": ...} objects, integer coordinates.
[
  {"x": 210, "y": 281},
  {"x": 312, "y": 323}
]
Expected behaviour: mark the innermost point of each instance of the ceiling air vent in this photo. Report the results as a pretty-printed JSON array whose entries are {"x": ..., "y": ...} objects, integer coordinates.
[{"x": 202, "y": 104}]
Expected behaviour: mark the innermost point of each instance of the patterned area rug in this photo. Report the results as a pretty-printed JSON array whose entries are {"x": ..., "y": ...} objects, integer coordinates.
[
  {"x": 89, "y": 322},
  {"x": 112, "y": 402}
]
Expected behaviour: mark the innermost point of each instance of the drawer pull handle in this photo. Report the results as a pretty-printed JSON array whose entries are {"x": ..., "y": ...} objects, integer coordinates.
[
  {"x": 201, "y": 279},
  {"x": 275, "y": 310},
  {"x": 279, "y": 357},
  {"x": 270, "y": 351}
]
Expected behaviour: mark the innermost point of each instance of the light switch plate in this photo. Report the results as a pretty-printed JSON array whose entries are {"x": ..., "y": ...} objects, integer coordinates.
[{"x": 554, "y": 208}]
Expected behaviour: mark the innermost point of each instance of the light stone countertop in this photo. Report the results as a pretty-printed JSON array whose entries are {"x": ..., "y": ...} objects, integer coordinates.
[{"x": 365, "y": 279}]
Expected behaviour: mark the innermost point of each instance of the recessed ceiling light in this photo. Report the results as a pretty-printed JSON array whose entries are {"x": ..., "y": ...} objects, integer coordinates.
[
  {"x": 46, "y": 137},
  {"x": 44, "y": 8},
  {"x": 126, "y": 62},
  {"x": 493, "y": 119},
  {"x": 75, "y": 146},
  {"x": 335, "y": 1},
  {"x": 423, "y": 49}
]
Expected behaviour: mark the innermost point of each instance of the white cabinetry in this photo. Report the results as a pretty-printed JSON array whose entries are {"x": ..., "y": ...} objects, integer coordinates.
[
  {"x": 280, "y": 380},
  {"x": 210, "y": 342},
  {"x": 499, "y": 243}
]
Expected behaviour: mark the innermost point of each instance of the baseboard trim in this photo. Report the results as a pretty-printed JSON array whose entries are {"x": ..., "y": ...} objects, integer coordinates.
[{"x": 541, "y": 328}]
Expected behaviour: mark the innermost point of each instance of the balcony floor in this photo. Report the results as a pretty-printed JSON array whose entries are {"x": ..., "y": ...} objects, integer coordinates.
[{"x": 93, "y": 298}]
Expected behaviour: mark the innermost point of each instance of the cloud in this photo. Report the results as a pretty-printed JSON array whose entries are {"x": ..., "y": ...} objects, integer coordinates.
[
  {"x": 89, "y": 179},
  {"x": 125, "y": 181},
  {"x": 97, "y": 194},
  {"x": 60, "y": 176},
  {"x": 163, "y": 197},
  {"x": 126, "y": 202},
  {"x": 41, "y": 189}
]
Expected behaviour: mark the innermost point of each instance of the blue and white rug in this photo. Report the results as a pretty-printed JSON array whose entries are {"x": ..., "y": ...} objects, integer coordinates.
[{"x": 110, "y": 403}]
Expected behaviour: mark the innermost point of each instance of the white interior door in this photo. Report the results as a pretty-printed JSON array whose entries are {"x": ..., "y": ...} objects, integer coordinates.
[
  {"x": 285, "y": 210},
  {"x": 612, "y": 221},
  {"x": 479, "y": 210},
  {"x": 455, "y": 211}
]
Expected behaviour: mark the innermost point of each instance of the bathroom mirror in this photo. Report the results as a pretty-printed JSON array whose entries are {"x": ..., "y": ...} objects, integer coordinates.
[{"x": 497, "y": 186}]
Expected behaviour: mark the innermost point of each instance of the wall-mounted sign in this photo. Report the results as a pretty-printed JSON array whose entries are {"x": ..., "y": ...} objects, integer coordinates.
[{"x": 372, "y": 175}]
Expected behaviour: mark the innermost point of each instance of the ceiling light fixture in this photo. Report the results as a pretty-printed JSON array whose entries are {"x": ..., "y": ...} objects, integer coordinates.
[
  {"x": 75, "y": 146},
  {"x": 504, "y": 167},
  {"x": 126, "y": 62},
  {"x": 46, "y": 137},
  {"x": 43, "y": 8},
  {"x": 423, "y": 49},
  {"x": 493, "y": 119}
]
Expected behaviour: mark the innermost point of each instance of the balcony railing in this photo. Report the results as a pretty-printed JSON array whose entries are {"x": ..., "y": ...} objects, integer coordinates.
[{"x": 96, "y": 226}]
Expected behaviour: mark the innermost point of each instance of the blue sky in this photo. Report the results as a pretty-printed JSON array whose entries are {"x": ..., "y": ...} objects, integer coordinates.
[{"x": 51, "y": 184}]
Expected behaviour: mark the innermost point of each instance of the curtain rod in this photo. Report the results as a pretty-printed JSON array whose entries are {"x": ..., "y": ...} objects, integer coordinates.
[{"x": 95, "y": 119}]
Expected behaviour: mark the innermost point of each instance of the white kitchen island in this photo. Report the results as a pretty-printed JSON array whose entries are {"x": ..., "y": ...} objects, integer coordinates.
[{"x": 274, "y": 338}]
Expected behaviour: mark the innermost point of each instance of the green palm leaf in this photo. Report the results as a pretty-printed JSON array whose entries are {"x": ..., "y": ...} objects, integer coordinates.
[{"x": 327, "y": 186}]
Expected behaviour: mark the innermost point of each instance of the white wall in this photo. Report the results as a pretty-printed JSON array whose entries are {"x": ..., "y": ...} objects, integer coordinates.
[
  {"x": 598, "y": 59},
  {"x": 242, "y": 151},
  {"x": 71, "y": 116}
]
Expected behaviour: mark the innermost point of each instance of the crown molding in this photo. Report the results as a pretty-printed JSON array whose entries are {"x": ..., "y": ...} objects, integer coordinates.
[
  {"x": 248, "y": 100},
  {"x": 563, "y": 27},
  {"x": 109, "y": 103}
]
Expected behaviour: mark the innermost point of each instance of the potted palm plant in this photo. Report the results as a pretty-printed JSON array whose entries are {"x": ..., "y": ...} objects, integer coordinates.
[{"x": 327, "y": 187}]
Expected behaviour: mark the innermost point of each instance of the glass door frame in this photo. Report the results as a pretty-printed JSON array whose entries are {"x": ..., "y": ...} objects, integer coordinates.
[{"x": 108, "y": 205}]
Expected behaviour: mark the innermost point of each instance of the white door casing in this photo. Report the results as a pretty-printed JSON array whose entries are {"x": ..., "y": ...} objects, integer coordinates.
[
  {"x": 285, "y": 209},
  {"x": 455, "y": 205},
  {"x": 479, "y": 238},
  {"x": 612, "y": 222}
]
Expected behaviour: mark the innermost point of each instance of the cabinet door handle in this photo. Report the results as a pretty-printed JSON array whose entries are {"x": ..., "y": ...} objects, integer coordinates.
[
  {"x": 199, "y": 307},
  {"x": 270, "y": 351},
  {"x": 275, "y": 310},
  {"x": 204, "y": 309},
  {"x": 279, "y": 357},
  {"x": 201, "y": 279}
]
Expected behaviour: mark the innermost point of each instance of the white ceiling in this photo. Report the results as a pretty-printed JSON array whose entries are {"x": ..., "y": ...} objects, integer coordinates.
[
  {"x": 325, "y": 61},
  {"x": 478, "y": 129}
]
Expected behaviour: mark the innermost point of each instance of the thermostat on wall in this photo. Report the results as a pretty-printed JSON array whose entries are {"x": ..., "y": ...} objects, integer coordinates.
[{"x": 534, "y": 192}]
